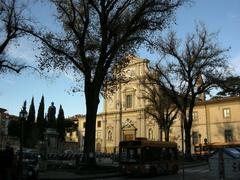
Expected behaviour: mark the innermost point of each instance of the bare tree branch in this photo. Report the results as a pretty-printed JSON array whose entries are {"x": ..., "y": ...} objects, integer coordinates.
[
  {"x": 11, "y": 19},
  {"x": 96, "y": 36},
  {"x": 191, "y": 70}
]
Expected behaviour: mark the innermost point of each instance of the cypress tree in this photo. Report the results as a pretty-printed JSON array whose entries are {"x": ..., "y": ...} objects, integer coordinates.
[
  {"x": 31, "y": 114},
  {"x": 41, "y": 121},
  {"x": 60, "y": 124},
  {"x": 31, "y": 134}
]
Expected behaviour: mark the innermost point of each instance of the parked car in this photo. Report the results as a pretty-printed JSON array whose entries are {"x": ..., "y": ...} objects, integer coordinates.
[
  {"x": 30, "y": 165},
  {"x": 30, "y": 169}
]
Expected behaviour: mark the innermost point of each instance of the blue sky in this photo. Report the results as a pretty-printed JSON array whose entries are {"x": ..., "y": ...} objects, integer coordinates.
[{"x": 218, "y": 15}]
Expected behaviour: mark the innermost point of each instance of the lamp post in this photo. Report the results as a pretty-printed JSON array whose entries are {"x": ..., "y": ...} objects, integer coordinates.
[
  {"x": 182, "y": 116},
  {"x": 2, "y": 126},
  {"x": 1, "y": 131},
  {"x": 1, "y": 134},
  {"x": 22, "y": 117},
  {"x": 119, "y": 105},
  {"x": 199, "y": 137}
]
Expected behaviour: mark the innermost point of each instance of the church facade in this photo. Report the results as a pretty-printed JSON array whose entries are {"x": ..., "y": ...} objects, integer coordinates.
[{"x": 124, "y": 117}]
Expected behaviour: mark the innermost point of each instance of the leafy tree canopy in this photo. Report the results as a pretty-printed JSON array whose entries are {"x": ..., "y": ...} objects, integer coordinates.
[
  {"x": 229, "y": 86},
  {"x": 70, "y": 125}
]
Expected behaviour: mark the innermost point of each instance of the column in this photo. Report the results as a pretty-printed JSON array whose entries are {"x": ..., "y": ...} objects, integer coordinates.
[
  {"x": 104, "y": 122},
  {"x": 117, "y": 132}
]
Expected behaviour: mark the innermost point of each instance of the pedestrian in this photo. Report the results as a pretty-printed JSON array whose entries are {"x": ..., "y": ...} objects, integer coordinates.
[
  {"x": 100, "y": 158},
  {"x": 9, "y": 160},
  {"x": 2, "y": 167},
  {"x": 77, "y": 161}
]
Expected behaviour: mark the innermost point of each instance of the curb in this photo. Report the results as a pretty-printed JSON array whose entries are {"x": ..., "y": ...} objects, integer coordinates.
[
  {"x": 109, "y": 175},
  {"x": 85, "y": 177},
  {"x": 194, "y": 164},
  {"x": 103, "y": 176}
]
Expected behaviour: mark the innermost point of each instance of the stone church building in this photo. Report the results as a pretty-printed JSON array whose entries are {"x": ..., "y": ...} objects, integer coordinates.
[{"x": 124, "y": 117}]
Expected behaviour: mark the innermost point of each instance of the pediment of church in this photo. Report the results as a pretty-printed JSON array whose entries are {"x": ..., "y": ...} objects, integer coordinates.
[
  {"x": 129, "y": 89},
  {"x": 133, "y": 59},
  {"x": 150, "y": 123},
  {"x": 128, "y": 125},
  {"x": 109, "y": 126}
]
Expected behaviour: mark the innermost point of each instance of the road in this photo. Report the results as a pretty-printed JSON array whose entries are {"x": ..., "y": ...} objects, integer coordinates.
[{"x": 193, "y": 173}]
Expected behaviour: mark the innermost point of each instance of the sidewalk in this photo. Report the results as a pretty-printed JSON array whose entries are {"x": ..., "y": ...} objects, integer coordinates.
[
  {"x": 58, "y": 175},
  {"x": 193, "y": 164},
  {"x": 72, "y": 175},
  {"x": 64, "y": 174}
]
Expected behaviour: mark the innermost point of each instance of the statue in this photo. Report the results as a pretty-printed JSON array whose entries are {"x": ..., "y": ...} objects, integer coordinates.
[
  {"x": 51, "y": 116},
  {"x": 51, "y": 133}
]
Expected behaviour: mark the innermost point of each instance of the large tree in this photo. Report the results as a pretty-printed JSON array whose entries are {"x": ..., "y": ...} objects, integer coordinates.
[
  {"x": 12, "y": 24},
  {"x": 41, "y": 121},
  {"x": 30, "y": 133},
  {"x": 95, "y": 36},
  {"x": 61, "y": 125},
  {"x": 31, "y": 114},
  {"x": 191, "y": 68},
  {"x": 70, "y": 125},
  {"x": 229, "y": 86},
  {"x": 158, "y": 106}
]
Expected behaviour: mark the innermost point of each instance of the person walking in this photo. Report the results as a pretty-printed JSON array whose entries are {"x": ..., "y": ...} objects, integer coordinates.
[{"x": 9, "y": 160}]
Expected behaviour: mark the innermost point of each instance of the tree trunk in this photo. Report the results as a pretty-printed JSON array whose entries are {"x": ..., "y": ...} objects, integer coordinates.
[
  {"x": 160, "y": 134},
  {"x": 188, "y": 127},
  {"x": 92, "y": 101},
  {"x": 167, "y": 135},
  {"x": 188, "y": 154}
]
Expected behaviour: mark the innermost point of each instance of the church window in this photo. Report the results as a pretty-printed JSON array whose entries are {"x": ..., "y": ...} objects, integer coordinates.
[
  {"x": 226, "y": 113},
  {"x": 195, "y": 137},
  {"x": 99, "y": 124},
  {"x": 195, "y": 115},
  {"x": 128, "y": 101}
]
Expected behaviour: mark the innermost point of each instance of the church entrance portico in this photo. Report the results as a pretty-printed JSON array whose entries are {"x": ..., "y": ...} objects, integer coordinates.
[{"x": 129, "y": 131}]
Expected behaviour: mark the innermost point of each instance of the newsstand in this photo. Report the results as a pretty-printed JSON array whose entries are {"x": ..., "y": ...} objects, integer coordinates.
[{"x": 225, "y": 164}]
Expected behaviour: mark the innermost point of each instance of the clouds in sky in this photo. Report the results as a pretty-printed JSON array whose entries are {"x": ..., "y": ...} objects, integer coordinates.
[
  {"x": 217, "y": 15},
  {"x": 24, "y": 51},
  {"x": 9, "y": 81},
  {"x": 234, "y": 16},
  {"x": 235, "y": 63}
]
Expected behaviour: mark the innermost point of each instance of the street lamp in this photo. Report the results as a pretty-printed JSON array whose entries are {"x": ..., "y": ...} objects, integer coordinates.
[
  {"x": 22, "y": 117},
  {"x": 199, "y": 137},
  {"x": 182, "y": 116},
  {"x": 119, "y": 105},
  {"x": 2, "y": 126}
]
